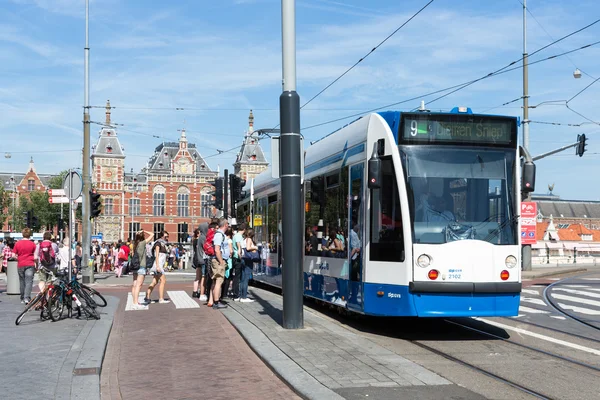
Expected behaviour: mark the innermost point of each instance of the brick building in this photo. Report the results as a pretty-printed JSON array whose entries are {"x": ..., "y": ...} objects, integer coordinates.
[
  {"x": 18, "y": 185},
  {"x": 170, "y": 193}
]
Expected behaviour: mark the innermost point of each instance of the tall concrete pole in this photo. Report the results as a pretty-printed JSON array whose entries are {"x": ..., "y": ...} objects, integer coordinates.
[
  {"x": 290, "y": 174},
  {"x": 526, "y": 254},
  {"x": 86, "y": 234},
  {"x": 225, "y": 193}
]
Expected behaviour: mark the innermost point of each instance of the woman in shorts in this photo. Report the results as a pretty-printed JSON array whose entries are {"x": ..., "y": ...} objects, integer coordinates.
[{"x": 139, "y": 246}]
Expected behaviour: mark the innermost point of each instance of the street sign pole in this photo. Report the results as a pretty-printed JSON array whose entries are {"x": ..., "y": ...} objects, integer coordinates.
[{"x": 290, "y": 174}]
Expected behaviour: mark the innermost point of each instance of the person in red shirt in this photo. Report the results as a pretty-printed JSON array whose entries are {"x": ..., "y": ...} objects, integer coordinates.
[
  {"x": 25, "y": 249},
  {"x": 122, "y": 259}
]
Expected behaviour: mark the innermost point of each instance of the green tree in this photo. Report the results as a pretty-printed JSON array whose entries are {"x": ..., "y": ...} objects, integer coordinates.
[{"x": 5, "y": 204}]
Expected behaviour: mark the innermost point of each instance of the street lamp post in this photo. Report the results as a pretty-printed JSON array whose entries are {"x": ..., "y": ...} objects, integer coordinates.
[
  {"x": 14, "y": 202},
  {"x": 132, "y": 209}
]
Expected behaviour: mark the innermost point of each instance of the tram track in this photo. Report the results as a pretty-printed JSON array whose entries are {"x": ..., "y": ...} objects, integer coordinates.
[
  {"x": 575, "y": 335},
  {"x": 481, "y": 370},
  {"x": 548, "y": 299},
  {"x": 525, "y": 346}
]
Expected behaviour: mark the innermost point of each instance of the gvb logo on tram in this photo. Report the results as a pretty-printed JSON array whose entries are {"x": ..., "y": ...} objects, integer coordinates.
[{"x": 407, "y": 214}]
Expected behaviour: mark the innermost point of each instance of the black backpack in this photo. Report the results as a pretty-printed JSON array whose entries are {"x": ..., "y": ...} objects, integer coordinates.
[{"x": 134, "y": 265}]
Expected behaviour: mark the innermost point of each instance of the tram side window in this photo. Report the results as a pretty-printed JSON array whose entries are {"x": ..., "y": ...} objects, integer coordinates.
[
  {"x": 329, "y": 203},
  {"x": 387, "y": 239}
]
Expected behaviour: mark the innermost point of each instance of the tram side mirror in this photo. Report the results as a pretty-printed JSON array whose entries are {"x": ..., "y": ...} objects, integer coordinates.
[
  {"x": 528, "y": 177},
  {"x": 375, "y": 173}
]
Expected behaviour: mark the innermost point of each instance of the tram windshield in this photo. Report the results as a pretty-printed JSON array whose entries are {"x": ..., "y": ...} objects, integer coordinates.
[{"x": 460, "y": 194}]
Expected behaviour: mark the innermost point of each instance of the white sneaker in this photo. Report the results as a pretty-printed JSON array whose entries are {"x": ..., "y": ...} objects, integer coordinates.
[
  {"x": 203, "y": 298},
  {"x": 164, "y": 301},
  {"x": 140, "y": 307},
  {"x": 237, "y": 299},
  {"x": 246, "y": 300}
]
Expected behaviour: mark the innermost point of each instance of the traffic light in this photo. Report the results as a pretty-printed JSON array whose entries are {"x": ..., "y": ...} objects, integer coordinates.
[
  {"x": 219, "y": 193},
  {"x": 27, "y": 219},
  {"x": 236, "y": 185},
  {"x": 95, "y": 205},
  {"x": 34, "y": 221},
  {"x": 580, "y": 149},
  {"x": 61, "y": 225}
]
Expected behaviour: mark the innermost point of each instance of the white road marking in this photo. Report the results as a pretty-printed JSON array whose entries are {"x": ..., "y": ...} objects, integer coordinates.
[
  {"x": 181, "y": 299},
  {"x": 517, "y": 316},
  {"x": 529, "y": 291},
  {"x": 581, "y": 310},
  {"x": 532, "y": 310},
  {"x": 576, "y": 299},
  {"x": 129, "y": 306},
  {"x": 539, "y": 302},
  {"x": 581, "y": 292},
  {"x": 590, "y": 279},
  {"x": 558, "y": 317},
  {"x": 577, "y": 286},
  {"x": 539, "y": 336}
]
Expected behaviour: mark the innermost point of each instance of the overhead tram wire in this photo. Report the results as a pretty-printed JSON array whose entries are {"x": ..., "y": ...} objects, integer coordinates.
[
  {"x": 457, "y": 87},
  {"x": 363, "y": 58},
  {"x": 550, "y": 36},
  {"x": 369, "y": 53}
]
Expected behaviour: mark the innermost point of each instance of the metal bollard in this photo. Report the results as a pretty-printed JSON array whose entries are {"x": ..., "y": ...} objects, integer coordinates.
[{"x": 12, "y": 278}]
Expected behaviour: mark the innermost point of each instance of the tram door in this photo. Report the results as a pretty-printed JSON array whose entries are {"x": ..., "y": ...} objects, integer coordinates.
[{"x": 355, "y": 237}]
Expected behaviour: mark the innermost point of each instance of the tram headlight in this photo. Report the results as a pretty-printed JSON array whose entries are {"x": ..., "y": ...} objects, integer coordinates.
[
  {"x": 510, "y": 262},
  {"x": 423, "y": 261}
]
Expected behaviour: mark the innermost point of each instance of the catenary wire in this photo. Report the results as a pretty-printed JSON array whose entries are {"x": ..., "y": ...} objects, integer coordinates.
[
  {"x": 368, "y": 54},
  {"x": 456, "y": 87}
]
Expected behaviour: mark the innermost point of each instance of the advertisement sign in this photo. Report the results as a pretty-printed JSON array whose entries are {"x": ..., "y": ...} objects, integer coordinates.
[{"x": 528, "y": 222}]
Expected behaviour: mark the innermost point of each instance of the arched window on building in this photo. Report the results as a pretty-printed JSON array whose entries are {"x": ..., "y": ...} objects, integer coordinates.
[
  {"x": 158, "y": 201},
  {"x": 183, "y": 202},
  {"x": 205, "y": 207}
]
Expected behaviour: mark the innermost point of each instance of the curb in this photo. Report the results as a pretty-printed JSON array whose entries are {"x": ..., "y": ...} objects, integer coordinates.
[
  {"x": 554, "y": 273},
  {"x": 79, "y": 376},
  {"x": 291, "y": 373}
]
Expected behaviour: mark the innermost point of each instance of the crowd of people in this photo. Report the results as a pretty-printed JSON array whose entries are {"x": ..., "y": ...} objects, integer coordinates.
[
  {"x": 224, "y": 259},
  {"x": 37, "y": 257}
]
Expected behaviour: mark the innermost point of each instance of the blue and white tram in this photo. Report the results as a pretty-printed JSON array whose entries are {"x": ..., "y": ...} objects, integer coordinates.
[{"x": 407, "y": 214}]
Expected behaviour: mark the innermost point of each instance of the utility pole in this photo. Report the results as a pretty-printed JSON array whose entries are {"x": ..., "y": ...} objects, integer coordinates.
[
  {"x": 526, "y": 248},
  {"x": 86, "y": 225},
  {"x": 225, "y": 193},
  {"x": 290, "y": 175}
]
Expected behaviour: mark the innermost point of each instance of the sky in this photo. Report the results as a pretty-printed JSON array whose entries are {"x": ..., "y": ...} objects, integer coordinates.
[{"x": 202, "y": 65}]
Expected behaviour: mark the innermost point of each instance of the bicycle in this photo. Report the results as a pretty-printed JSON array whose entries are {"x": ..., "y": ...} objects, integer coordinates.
[
  {"x": 39, "y": 302},
  {"x": 67, "y": 293}
]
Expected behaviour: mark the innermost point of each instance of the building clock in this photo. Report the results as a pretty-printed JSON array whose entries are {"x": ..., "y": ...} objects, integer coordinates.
[
  {"x": 183, "y": 166},
  {"x": 109, "y": 174}
]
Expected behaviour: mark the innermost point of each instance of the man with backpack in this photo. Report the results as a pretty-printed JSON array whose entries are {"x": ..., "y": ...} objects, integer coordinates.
[
  {"x": 217, "y": 250},
  {"x": 238, "y": 252},
  {"x": 45, "y": 257}
]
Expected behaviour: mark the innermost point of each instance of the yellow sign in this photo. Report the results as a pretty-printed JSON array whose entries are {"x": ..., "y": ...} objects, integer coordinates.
[{"x": 257, "y": 220}]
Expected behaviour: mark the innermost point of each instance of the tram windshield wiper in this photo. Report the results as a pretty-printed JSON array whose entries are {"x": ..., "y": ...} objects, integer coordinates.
[{"x": 495, "y": 232}]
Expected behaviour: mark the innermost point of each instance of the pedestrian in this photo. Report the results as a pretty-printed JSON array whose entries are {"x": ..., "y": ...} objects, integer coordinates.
[
  {"x": 228, "y": 269},
  {"x": 172, "y": 256},
  {"x": 218, "y": 264},
  {"x": 45, "y": 259},
  {"x": 160, "y": 252},
  {"x": 250, "y": 256},
  {"x": 139, "y": 257},
  {"x": 7, "y": 253},
  {"x": 63, "y": 252},
  {"x": 122, "y": 258},
  {"x": 238, "y": 264},
  {"x": 25, "y": 250},
  {"x": 78, "y": 255},
  {"x": 198, "y": 261}
]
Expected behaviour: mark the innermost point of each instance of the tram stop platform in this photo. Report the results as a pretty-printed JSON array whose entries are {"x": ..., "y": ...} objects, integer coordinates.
[{"x": 327, "y": 361}]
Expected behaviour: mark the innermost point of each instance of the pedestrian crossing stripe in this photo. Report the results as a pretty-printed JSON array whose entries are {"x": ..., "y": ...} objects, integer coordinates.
[
  {"x": 576, "y": 300},
  {"x": 581, "y": 310},
  {"x": 532, "y": 310},
  {"x": 180, "y": 298},
  {"x": 580, "y": 292}
]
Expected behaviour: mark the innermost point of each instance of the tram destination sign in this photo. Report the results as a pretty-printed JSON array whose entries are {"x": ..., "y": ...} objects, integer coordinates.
[{"x": 458, "y": 128}]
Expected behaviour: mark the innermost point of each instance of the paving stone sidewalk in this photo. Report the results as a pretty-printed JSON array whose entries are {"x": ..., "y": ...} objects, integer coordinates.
[
  {"x": 335, "y": 357},
  {"x": 51, "y": 360},
  {"x": 169, "y": 353}
]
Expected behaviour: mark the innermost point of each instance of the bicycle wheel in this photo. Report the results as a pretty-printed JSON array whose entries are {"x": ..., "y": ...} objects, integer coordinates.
[
  {"x": 88, "y": 309},
  {"x": 56, "y": 304},
  {"x": 31, "y": 306},
  {"x": 95, "y": 295}
]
